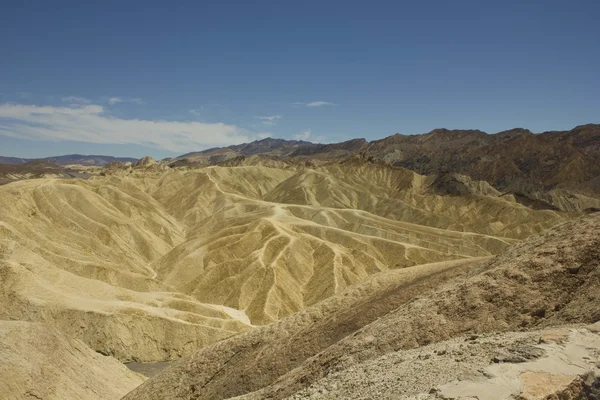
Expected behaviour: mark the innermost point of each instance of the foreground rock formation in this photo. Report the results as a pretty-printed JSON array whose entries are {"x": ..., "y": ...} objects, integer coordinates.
[{"x": 523, "y": 365}]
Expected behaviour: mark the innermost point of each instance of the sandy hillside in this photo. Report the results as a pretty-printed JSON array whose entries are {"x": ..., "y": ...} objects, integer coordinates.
[
  {"x": 149, "y": 263},
  {"x": 271, "y": 273},
  {"x": 544, "y": 281}
]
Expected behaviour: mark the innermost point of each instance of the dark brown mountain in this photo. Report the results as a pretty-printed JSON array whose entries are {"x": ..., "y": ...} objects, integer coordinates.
[
  {"x": 269, "y": 147},
  {"x": 258, "y": 147},
  {"x": 506, "y": 160},
  {"x": 270, "y": 144},
  {"x": 333, "y": 150},
  {"x": 550, "y": 170}
]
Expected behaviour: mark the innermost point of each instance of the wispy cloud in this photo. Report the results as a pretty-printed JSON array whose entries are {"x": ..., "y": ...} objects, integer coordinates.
[
  {"x": 115, "y": 100},
  {"x": 76, "y": 100},
  {"x": 319, "y": 104},
  {"x": 315, "y": 104},
  {"x": 308, "y": 137},
  {"x": 93, "y": 123},
  {"x": 270, "y": 120}
]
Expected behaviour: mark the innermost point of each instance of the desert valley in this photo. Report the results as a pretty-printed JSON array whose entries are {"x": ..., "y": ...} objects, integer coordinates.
[{"x": 447, "y": 265}]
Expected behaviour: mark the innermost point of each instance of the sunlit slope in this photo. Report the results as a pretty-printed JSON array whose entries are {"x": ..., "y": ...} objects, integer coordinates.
[
  {"x": 76, "y": 255},
  {"x": 546, "y": 280},
  {"x": 97, "y": 230},
  {"x": 126, "y": 324},
  {"x": 403, "y": 195},
  {"x": 280, "y": 259},
  {"x": 151, "y": 263}
]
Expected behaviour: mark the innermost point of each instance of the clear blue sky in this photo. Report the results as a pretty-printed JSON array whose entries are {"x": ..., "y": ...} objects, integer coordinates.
[{"x": 164, "y": 78}]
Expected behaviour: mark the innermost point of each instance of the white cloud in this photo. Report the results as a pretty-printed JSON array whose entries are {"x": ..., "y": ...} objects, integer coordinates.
[
  {"x": 319, "y": 104},
  {"x": 92, "y": 123},
  {"x": 270, "y": 120},
  {"x": 315, "y": 104},
  {"x": 76, "y": 100},
  {"x": 114, "y": 100},
  {"x": 308, "y": 137}
]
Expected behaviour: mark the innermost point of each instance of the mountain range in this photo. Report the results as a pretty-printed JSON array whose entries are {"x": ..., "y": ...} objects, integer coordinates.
[
  {"x": 553, "y": 170},
  {"x": 549, "y": 170}
]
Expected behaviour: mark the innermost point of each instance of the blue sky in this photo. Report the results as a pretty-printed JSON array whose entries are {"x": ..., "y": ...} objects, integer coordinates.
[{"x": 131, "y": 78}]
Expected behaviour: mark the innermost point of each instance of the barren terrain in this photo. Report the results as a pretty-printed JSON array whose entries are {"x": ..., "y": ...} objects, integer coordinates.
[{"x": 293, "y": 275}]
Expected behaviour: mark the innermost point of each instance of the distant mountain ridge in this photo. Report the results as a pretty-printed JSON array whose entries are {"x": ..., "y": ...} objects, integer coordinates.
[
  {"x": 505, "y": 159},
  {"x": 95, "y": 160},
  {"x": 552, "y": 170},
  {"x": 272, "y": 147},
  {"x": 555, "y": 169},
  {"x": 408, "y": 150}
]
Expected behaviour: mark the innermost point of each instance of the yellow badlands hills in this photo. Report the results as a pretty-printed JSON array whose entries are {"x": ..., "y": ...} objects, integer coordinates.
[{"x": 149, "y": 263}]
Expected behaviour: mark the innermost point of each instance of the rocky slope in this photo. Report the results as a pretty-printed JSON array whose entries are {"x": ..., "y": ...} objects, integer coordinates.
[
  {"x": 547, "y": 364},
  {"x": 516, "y": 161}
]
